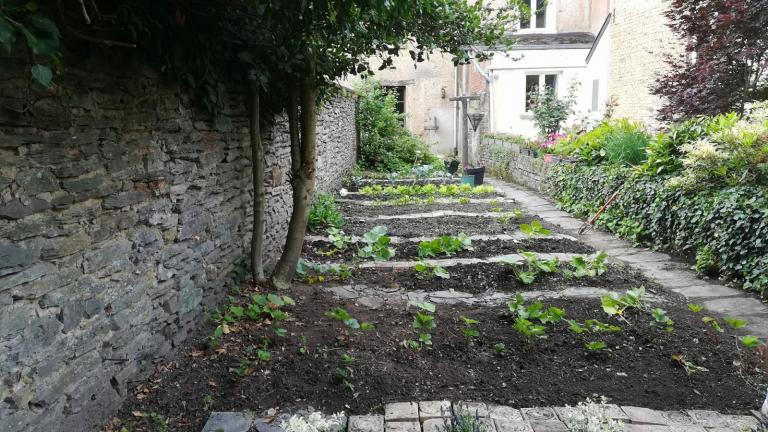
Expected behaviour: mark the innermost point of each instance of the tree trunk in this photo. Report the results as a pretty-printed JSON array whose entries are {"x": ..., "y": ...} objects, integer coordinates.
[
  {"x": 257, "y": 169},
  {"x": 303, "y": 182}
]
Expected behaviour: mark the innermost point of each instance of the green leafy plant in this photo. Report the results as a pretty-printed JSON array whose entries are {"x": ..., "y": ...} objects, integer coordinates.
[
  {"x": 706, "y": 262},
  {"x": 315, "y": 272},
  {"x": 423, "y": 319},
  {"x": 591, "y": 326},
  {"x": 712, "y": 322},
  {"x": 446, "y": 245},
  {"x": 615, "y": 304},
  {"x": 596, "y": 346},
  {"x": 749, "y": 341},
  {"x": 340, "y": 314},
  {"x": 735, "y": 323},
  {"x": 324, "y": 213},
  {"x": 377, "y": 245},
  {"x": 425, "y": 270},
  {"x": 549, "y": 111},
  {"x": 41, "y": 36},
  {"x": 660, "y": 319},
  {"x": 527, "y": 270},
  {"x": 695, "y": 308},
  {"x": 586, "y": 267},
  {"x": 338, "y": 238},
  {"x": 499, "y": 348},
  {"x": 534, "y": 229},
  {"x": 469, "y": 331},
  {"x": 689, "y": 367},
  {"x": 525, "y": 314}
]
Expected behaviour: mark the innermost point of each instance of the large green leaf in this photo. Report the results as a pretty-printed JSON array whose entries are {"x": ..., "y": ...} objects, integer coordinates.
[
  {"x": 7, "y": 34},
  {"x": 42, "y": 74}
]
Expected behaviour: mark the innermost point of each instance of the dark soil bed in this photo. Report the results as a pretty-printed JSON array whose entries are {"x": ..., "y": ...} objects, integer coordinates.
[
  {"x": 436, "y": 226},
  {"x": 557, "y": 370},
  {"x": 479, "y": 278},
  {"x": 318, "y": 251},
  {"x": 363, "y": 211}
]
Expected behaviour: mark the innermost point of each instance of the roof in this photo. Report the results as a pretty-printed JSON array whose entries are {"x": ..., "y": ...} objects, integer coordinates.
[{"x": 540, "y": 41}]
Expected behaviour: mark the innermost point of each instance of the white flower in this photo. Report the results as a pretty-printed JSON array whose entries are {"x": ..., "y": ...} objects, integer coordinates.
[{"x": 314, "y": 422}]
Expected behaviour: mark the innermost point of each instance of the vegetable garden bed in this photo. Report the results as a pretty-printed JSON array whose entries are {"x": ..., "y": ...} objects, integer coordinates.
[{"x": 436, "y": 226}]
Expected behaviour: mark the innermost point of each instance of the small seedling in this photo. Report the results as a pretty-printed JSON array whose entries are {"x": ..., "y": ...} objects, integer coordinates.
[
  {"x": 469, "y": 331},
  {"x": 534, "y": 229},
  {"x": 585, "y": 267},
  {"x": 690, "y": 367},
  {"x": 749, "y": 341},
  {"x": 615, "y": 304},
  {"x": 313, "y": 273},
  {"x": 660, "y": 319},
  {"x": 596, "y": 346},
  {"x": 338, "y": 238},
  {"x": 303, "y": 348},
  {"x": 499, "y": 348},
  {"x": 712, "y": 322},
  {"x": 734, "y": 323},
  {"x": 340, "y": 314},
  {"x": 445, "y": 245},
  {"x": 377, "y": 245},
  {"x": 695, "y": 308},
  {"x": 425, "y": 270},
  {"x": 527, "y": 271}
]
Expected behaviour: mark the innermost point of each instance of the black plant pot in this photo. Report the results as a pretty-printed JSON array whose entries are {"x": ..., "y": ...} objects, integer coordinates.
[
  {"x": 452, "y": 167},
  {"x": 478, "y": 172}
]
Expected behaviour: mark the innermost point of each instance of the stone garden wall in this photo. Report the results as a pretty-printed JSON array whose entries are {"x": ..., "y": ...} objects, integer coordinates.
[
  {"x": 511, "y": 162},
  {"x": 124, "y": 212}
]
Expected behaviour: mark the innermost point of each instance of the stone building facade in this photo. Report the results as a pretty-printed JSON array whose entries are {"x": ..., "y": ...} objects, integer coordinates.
[{"x": 124, "y": 213}]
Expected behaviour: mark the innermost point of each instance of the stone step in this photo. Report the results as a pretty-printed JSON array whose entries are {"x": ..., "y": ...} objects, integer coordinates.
[{"x": 515, "y": 236}]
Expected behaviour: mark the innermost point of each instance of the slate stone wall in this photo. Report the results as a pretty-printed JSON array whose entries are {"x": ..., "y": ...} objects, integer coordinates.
[
  {"x": 508, "y": 161},
  {"x": 123, "y": 213}
]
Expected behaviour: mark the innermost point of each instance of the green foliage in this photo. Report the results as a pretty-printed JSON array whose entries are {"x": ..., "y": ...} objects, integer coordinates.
[
  {"x": 749, "y": 341},
  {"x": 531, "y": 266},
  {"x": 596, "y": 346},
  {"x": 426, "y": 270},
  {"x": 525, "y": 314},
  {"x": 664, "y": 150},
  {"x": 469, "y": 331},
  {"x": 549, "y": 111},
  {"x": 340, "y": 314},
  {"x": 377, "y": 245},
  {"x": 316, "y": 272},
  {"x": 385, "y": 144},
  {"x": 648, "y": 211},
  {"x": 660, "y": 319},
  {"x": 324, "y": 213},
  {"x": 41, "y": 36},
  {"x": 619, "y": 142},
  {"x": 429, "y": 190},
  {"x": 446, "y": 245},
  {"x": 534, "y": 229},
  {"x": 706, "y": 263},
  {"x": 267, "y": 308},
  {"x": 338, "y": 238},
  {"x": 586, "y": 267},
  {"x": 463, "y": 422},
  {"x": 735, "y": 323},
  {"x": 615, "y": 304}
]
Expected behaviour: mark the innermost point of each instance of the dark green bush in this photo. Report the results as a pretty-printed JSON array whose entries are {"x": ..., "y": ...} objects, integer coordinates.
[
  {"x": 385, "y": 145},
  {"x": 732, "y": 223},
  {"x": 324, "y": 213}
]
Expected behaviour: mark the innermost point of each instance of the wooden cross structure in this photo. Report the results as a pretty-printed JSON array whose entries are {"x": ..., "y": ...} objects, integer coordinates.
[{"x": 464, "y": 129}]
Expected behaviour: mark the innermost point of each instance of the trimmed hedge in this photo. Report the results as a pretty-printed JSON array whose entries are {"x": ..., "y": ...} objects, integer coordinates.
[{"x": 727, "y": 227}]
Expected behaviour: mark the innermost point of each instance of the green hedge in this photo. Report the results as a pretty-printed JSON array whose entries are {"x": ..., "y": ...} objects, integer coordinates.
[{"x": 728, "y": 227}]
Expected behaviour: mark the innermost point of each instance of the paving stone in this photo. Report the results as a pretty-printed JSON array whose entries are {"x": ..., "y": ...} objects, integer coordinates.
[
  {"x": 713, "y": 419},
  {"x": 742, "y": 422},
  {"x": 511, "y": 426},
  {"x": 737, "y": 306},
  {"x": 645, "y": 257},
  {"x": 229, "y": 422},
  {"x": 501, "y": 412},
  {"x": 549, "y": 426},
  {"x": 677, "y": 418},
  {"x": 611, "y": 411},
  {"x": 631, "y": 427},
  {"x": 433, "y": 425},
  {"x": 366, "y": 423},
  {"x": 697, "y": 291},
  {"x": 539, "y": 414},
  {"x": 270, "y": 424},
  {"x": 644, "y": 415},
  {"x": 401, "y": 411},
  {"x": 434, "y": 409},
  {"x": 478, "y": 409},
  {"x": 402, "y": 426}
]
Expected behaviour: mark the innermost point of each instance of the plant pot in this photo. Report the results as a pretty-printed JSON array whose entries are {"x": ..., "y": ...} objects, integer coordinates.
[
  {"x": 452, "y": 166},
  {"x": 468, "y": 179},
  {"x": 478, "y": 172}
]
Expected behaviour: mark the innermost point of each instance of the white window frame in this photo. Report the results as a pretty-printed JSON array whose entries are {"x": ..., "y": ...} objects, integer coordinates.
[
  {"x": 549, "y": 11},
  {"x": 542, "y": 80}
]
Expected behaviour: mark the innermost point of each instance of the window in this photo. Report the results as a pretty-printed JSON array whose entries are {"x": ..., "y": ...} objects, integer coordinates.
[
  {"x": 534, "y": 82},
  {"x": 536, "y": 17},
  {"x": 399, "y": 92}
]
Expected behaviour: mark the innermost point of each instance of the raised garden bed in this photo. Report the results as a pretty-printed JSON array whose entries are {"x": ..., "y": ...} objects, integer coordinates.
[
  {"x": 638, "y": 370},
  {"x": 435, "y": 226},
  {"x": 482, "y": 277},
  {"x": 353, "y": 210},
  {"x": 318, "y": 250}
]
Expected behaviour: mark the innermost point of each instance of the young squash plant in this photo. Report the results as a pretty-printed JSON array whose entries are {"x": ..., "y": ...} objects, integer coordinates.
[
  {"x": 531, "y": 267},
  {"x": 427, "y": 270},
  {"x": 469, "y": 331},
  {"x": 582, "y": 266},
  {"x": 534, "y": 229},
  {"x": 526, "y": 315},
  {"x": 424, "y": 321},
  {"x": 444, "y": 245},
  {"x": 377, "y": 245},
  {"x": 311, "y": 273},
  {"x": 339, "y": 239},
  {"x": 341, "y": 314}
]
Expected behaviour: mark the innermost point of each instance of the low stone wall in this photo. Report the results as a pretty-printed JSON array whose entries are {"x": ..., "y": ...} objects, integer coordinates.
[
  {"x": 124, "y": 211},
  {"x": 511, "y": 162}
]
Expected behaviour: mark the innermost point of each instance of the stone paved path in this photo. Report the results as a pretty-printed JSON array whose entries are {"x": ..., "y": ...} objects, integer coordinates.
[
  {"x": 674, "y": 276},
  {"x": 429, "y": 416}
]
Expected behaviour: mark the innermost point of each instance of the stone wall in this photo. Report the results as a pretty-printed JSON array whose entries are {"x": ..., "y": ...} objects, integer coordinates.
[
  {"x": 123, "y": 213},
  {"x": 639, "y": 40},
  {"x": 508, "y": 161}
]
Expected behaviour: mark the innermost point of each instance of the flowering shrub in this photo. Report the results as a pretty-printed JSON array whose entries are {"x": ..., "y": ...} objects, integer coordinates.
[{"x": 552, "y": 140}]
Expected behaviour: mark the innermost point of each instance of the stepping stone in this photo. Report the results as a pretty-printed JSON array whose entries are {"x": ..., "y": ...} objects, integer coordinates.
[
  {"x": 401, "y": 411},
  {"x": 229, "y": 422},
  {"x": 512, "y": 426},
  {"x": 611, "y": 411},
  {"x": 434, "y": 410},
  {"x": 703, "y": 291},
  {"x": 272, "y": 424},
  {"x": 736, "y": 306},
  {"x": 478, "y": 409},
  {"x": 366, "y": 423},
  {"x": 539, "y": 414},
  {"x": 549, "y": 426},
  {"x": 402, "y": 426},
  {"x": 713, "y": 419},
  {"x": 640, "y": 415},
  {"x": 501, "y": 412}
]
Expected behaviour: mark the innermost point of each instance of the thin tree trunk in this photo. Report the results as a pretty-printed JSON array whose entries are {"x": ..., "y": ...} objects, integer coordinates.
[
  {"x": 257, "y": 169},
  {"x": 303, "y": 183}
]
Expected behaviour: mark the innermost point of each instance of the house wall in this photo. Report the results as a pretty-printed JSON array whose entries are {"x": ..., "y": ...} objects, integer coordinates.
[
  {"x": 508, "y": 113},
  {"x": 572, "y": 16},
  {"x": 429, "y": 86},
  {"x": 124, "y": 212},
  {"x": 639, "y": 40}
]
